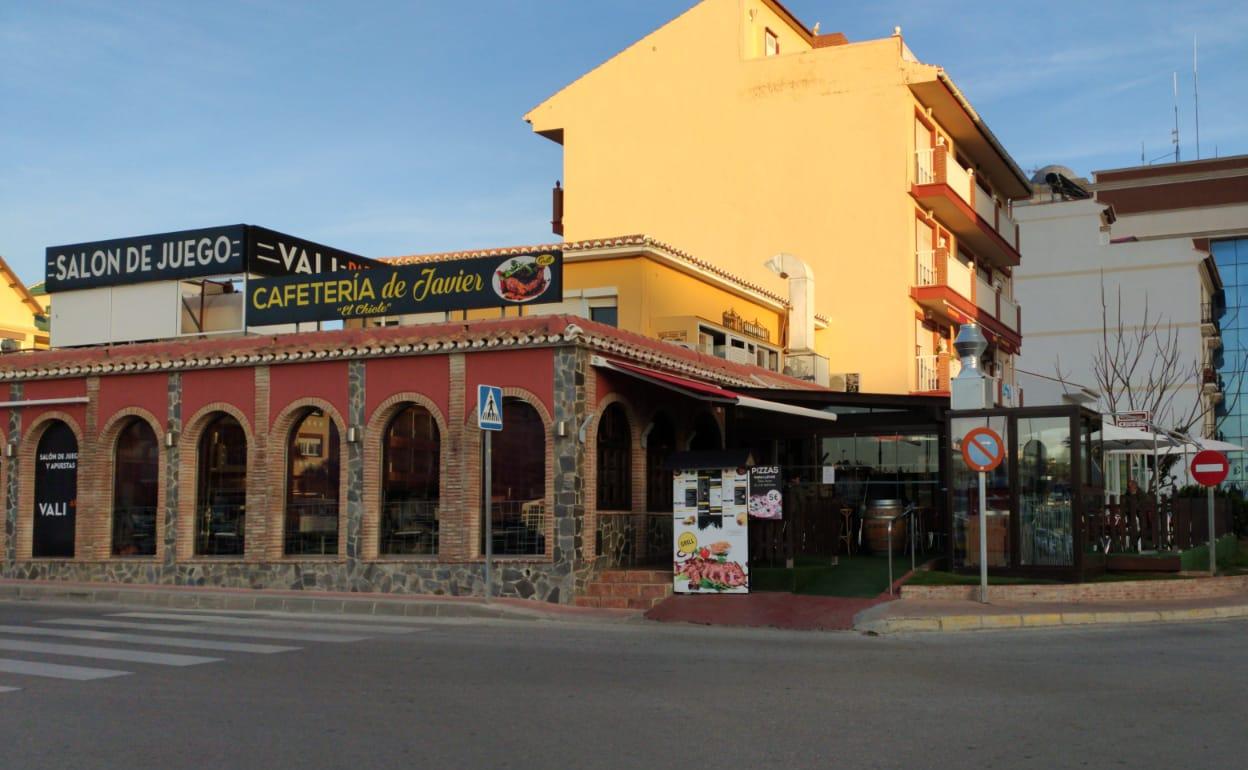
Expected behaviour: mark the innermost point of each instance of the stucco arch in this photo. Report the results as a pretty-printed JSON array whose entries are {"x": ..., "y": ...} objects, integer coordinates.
[
  {"x": 25, "y": 532},
  {"x": 106, "y": 458},
  {"x": 188, "y": 475}
]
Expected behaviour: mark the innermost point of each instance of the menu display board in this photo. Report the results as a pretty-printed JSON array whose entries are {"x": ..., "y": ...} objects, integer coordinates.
[
  {"x": 766, "y": 492},
  {"x": 710, "y": 528}
]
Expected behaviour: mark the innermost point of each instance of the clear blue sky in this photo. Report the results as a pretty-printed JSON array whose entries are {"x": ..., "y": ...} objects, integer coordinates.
[{"x": 395, "y": 127}]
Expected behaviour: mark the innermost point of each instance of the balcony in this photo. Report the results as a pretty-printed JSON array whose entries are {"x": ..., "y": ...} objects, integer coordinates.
[
  {"x": 979, "y": 220},
  {"x": 931, "y": 373},
  {"x": 1209, "y": 326},
  {"x": 952, "y": 290}
]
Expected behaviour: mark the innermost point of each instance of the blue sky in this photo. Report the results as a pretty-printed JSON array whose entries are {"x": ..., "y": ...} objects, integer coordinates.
[{"x": 395, "y": 127}]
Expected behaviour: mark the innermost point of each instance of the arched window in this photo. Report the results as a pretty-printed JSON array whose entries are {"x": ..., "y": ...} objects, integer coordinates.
[
  {"x": 518, "y": 482},
  {"x": 136, "y": 471},
  {"x": 221, "y": 489},
  {"x": 706, "y": 436},
  {"x": 56, "y": 492},
  {"x": 312, "y": 486},
  {"x": 411, "y": 451},
  {"x": 615, "y": 478},
  {"x": 660, "y": 443}
]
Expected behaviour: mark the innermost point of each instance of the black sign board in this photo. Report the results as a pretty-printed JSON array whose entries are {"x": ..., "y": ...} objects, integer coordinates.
[
  {"x": 460, "y": 284},
  {"x": 766, "y": 492},
  {"x": 191, "y": 253},
  {"x": 56, "y": 492}
]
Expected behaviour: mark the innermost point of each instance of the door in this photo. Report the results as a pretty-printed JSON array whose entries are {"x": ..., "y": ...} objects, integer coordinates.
[{"x": 56, "y": 492}]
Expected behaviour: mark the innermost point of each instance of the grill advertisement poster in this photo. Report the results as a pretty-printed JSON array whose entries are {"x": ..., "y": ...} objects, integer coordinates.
[
  {"x": 710, "y": 530},
  {"x": 766, "y": 492},
  {"x": 461, "y": 284}
]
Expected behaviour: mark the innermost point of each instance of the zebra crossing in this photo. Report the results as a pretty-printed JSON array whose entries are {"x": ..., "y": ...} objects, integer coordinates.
[{"x": 60, "y": 648}]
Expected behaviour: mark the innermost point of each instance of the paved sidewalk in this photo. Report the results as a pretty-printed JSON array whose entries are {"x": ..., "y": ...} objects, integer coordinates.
[
  {"x": 765, "y": 609},
  {"x": 385, "y": 605},
  {"x": 925, "y": 615}
]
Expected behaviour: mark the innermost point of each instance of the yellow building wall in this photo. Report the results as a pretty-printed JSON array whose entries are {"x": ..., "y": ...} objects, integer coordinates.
[
  {"x": 734, "y": 159},
  {"x": 17, "y": 320}
]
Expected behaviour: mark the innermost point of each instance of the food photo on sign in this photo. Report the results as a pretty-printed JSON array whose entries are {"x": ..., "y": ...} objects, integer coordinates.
[{"x": 524, "y": 278}]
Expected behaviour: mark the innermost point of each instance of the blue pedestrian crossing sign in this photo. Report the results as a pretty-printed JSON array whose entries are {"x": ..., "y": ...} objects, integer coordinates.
[{"x": 489, "y": 407}]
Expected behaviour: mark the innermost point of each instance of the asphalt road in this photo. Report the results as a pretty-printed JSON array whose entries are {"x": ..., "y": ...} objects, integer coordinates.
[{"x": 318, "y": 693}]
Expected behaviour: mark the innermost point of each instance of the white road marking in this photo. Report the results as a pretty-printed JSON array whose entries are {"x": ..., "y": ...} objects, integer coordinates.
[
  {"x": 9, "y": 689},
  {"x": 157, "y": 641},
  {"x": 209, "y": 629},
  {"x": 261, "y": 622},
  {"x": 105, "y": 653},
  {"x": 56, "y": 671}
]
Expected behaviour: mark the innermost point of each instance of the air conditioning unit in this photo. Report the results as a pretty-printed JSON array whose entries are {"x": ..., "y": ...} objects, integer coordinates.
[
  {"x": 9, "y": 345},
  {"x": 844, "y": 382}
]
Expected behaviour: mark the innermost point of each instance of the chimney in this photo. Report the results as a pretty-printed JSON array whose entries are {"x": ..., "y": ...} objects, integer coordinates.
[
  {"x": 556, "y": 209},
  {"x": 801, "y": 300}
]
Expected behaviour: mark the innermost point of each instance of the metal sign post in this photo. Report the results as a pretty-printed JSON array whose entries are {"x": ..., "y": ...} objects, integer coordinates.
[
  {"x": 983, "y": 450},
  {"x": 489, "y": 420},
  {"x": 1209, "y": 469}
]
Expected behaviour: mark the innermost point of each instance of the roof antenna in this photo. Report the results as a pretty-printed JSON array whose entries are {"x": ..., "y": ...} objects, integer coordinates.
[
  {"x": 1196, "y": 94},
  {"x": 1176, "y": 117}
]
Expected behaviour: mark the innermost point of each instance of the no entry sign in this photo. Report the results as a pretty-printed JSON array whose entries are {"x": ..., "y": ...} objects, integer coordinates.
[
  {"x": 983, "y": 449},
  {"x": 1209, "y": 468}
]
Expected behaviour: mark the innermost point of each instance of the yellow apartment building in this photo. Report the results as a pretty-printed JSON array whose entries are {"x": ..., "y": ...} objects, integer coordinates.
[
  {"x": 735, "y": 133},
  {"x": 23, "y": 318}
]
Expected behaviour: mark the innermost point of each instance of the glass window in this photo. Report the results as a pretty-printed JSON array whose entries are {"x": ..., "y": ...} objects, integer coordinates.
[
  {"x": 965, "y": 484},
  {"x": 411, "y": 451},
  {"x": 136, "y": 471},
  {"x": 615, "y": 478},
  {"x": 221, "y": 496},
  {"x": 1046, "y": 521},
  {"x": 518, "y": 482},
  {"x": 605, "y": 315},
  {"x": 660, "y": 443},
  {"x": 312, "y": 486}
]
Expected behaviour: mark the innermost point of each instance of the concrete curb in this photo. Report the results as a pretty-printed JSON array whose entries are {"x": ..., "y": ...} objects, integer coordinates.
[
  {"x": 389, "y": 606},
  {"x": 951, "y": 623}
]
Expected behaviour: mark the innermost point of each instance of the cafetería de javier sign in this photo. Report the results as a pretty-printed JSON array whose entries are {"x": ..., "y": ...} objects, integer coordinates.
[{"x": 461, "y": 284}]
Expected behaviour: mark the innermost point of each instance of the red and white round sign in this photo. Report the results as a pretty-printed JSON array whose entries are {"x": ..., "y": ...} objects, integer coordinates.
[{"x": 1209, "y": 468}]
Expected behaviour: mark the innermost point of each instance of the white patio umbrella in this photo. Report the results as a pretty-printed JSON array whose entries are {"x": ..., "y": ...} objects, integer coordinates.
[
  {"x": 1197, "y": 444},
  {"x": 1117, "y": 439}
]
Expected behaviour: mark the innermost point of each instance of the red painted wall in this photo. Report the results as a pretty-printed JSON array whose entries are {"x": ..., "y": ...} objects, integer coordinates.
[
  {"x": 533, "y": 370},
  {"x": 294, "y": 381},
  {"x": 40, "y": 389},
  {"x": 233, "y": 386},
  {"x": 427, "y": 375},
  {"x": 148, "y": 391}
]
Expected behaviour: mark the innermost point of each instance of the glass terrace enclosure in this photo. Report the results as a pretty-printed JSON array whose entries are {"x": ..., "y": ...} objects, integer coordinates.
[{"x": 1037, "y": 501}]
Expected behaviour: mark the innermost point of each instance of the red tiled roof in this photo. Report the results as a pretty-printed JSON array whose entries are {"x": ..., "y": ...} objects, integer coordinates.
[
  {"x": 381, "y": 341},
  {"x": 619, "y": 241}
]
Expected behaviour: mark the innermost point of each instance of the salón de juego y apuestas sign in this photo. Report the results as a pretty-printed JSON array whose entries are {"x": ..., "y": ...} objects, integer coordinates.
[
  {"x": 461, "y": 284},
  {"x": 191, "y": 253}
]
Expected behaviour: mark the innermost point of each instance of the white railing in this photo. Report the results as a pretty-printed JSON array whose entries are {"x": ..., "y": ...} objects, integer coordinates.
[
  {"x": 959, "y": 277},
  {"x": 1009, "y": 313},
  {"x": 985, "y": 207},
  {"x": 959, "y": 179},
  {"x": 923, "y": 173},
  {"x": 985, "y": 296},
  {"x": 1005, "y": 226},
  {"x": 927, "y": 374},
  {"x": 925, "y": 268}
]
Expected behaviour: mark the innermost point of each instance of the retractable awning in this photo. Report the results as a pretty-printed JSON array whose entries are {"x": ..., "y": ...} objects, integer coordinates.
[{"x": 706, "y": 392}]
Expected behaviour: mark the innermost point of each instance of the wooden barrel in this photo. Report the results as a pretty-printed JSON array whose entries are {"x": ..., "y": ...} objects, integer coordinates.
[{"x": 875, "y": 522}]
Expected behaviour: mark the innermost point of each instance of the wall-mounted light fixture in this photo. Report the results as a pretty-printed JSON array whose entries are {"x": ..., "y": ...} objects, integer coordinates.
[
  {"x": 171, "y": 438},
  {"x": 10, "y": 448},
  {"x": 353, "y": 434}
]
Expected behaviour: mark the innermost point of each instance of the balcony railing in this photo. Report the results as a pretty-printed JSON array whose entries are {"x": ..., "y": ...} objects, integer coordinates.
[
  {"x": 927, "y": 374},
  {"x": 1008, "y": 313},
  {"x": 924, "y": 172},
  {"x": 985, "y": 296},
  {"x": 925, "y": 268}
]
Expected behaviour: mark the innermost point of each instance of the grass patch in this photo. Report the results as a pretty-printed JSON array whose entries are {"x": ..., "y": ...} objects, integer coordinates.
[{"x": 853, "y": 576}]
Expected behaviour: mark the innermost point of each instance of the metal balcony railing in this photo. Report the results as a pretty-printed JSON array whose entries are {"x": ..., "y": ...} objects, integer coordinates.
[
  {"x": 925, "y": 268},
  {"x": 927, "y": 373}
]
